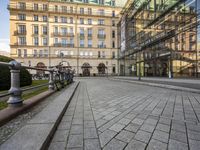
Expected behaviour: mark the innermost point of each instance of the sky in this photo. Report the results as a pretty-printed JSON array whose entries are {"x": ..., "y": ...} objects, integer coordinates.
[{"x": 4, "y": 26}]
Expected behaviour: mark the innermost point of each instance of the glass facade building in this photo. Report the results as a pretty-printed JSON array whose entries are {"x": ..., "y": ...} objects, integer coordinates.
[{"x": 159, "y": 38}]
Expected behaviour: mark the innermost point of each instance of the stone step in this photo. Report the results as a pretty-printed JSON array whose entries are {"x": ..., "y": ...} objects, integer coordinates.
[{"x": 37, "y": 133}]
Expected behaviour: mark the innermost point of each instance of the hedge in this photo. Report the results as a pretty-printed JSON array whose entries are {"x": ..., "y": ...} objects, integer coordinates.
[{"x": 25, "y": 76}]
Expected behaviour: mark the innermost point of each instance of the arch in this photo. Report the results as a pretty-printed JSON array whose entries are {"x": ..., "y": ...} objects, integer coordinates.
[
  {"x": 40, "y": 65},
  {"x": 86, "y": 69},
  {"x": 101, "y": 68}
]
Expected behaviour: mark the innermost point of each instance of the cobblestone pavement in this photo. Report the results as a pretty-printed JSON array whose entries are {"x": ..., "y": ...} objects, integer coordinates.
[{"x": 112, "y": 115}]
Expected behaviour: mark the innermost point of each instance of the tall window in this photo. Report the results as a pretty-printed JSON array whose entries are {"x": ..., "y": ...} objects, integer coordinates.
[
  {"x": 101, "y": 21},
  {"x": 71, "y": 9},
  {"x": 71, "y": 30},
  {"x": 113, "y": 44},
  {"x": 35, "y": 53},
  {"x": 36, "y": 41},
  {"x": 89, "y": 21},
  {"x": 35, "y": 30},
  {"x": 71, "y": 20},
  {"x": 44, "y": 6},
  {"x": 89, "y": 11},
  {"x": 113, "y": 34},
  {"x": 22, "y": 16},
  {"x": 81, "y": 20},
  {"x": 44, "y": 30},
  {"x": 22, "y": 29},
  {"x": 64, "y": 8},
  {"x": 99, "y": 54},
  {"x": 64, "y": 31},
  {"x": 101, "y": 32},
  {"x": 56, "y": 30},
  {"x": 113, "y": 22},
  {"x": 45, "y": 41},
  {"x": 81, "y": 42},
  {"x": 35, "y": 18},
  {"x": 101, "y": 44},
  {"x": 56, "y": 18},
  {"x": 19, "y": 53},
  {"x": 82, "y": 31},
  {"x": 35, "y": 6},
  {"x": 22, "y": 5},
  {"x": 81, "y": 10},
  {"x": 89, "y": 43},
  {"x": 89, "y": 32},
  {"x": 25, "y": 52},
  {"x": 22, "y": 40},
  {"x": 64, "y": 19},
  {"x": 44, "y": 18}
]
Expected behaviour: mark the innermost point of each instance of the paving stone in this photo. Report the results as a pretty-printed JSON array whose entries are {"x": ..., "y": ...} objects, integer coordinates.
[
  {"x": 124, "y": 121},
  {"x": 151, "y": 121},
  {"x": 75, "y": 141},
  {"x": 106, "y": 136},
  {"x": 115, "y": 144},
  {"x": 133, "y": 127},
  {"x": 178, "y": 127},
  {"x": 147, "y": 127},
  {"x": 64, "y": 126},
  {"x": 137, "y": 121},
  {"x": 77, "y": 121},
  {"x": 108, "y": 117},
  {"x": 165, "y": 121},
  {"x": 90, "y": 133},
  {"x": 92, "y": 144},
  {"x": 125, "y": 136},
  {"x": 176, "y": 145},
  {"x": 76, "y": 129},
  {"x": 57, "y": 146},
  {"x": 194, "y": 135},
  {"x": 194, "y": 145},
  {"x": 135, "y": 145},
  {"x": 161, "y": 136},
  {"x": 100, "y": 122},
  {"x": 143, "y": 136},
  {"x": 163, "y": 127},
  {"x": 156, "y": 145},
  {"x": 117, "y": 127},
  {"x": 178, "y": 136},
  {"x": 89, "y": 124},
  {"x": 60, "y": 136}
]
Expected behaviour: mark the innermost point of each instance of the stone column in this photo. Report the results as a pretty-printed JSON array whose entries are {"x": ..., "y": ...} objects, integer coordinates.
[{"x": 15, "y": 98}]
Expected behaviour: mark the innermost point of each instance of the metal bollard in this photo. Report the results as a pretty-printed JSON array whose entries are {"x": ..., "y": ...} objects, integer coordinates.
[
  {"x": 51, "y": 81},
  {"x": 15, "y": 98}
]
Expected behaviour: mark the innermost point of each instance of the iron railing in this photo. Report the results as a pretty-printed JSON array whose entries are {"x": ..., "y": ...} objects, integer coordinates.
[{"x": 59, "y": 74}]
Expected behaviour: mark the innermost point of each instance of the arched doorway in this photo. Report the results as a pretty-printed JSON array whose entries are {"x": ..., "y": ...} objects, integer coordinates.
[
  {"x": 101, "y": 68},
  {"x": 86, "y": 69},
  {"x": 40, "y": 65}
]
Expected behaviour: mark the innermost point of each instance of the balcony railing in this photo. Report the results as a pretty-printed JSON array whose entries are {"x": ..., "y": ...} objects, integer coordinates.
[
  {"x": 101, "y": 36},
  {"x": 63, "y": 45},
  {"x": 60, "y": 34},
  {"x": 101, "y": 46},
  {"x": 15, "y": 6},
  {"x": 23, "y": 44},
  {"x": 20, "y": 33}
]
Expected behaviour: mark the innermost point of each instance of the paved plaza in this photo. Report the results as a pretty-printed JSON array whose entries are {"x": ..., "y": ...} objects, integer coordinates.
[{"x": 111, "y": 115}]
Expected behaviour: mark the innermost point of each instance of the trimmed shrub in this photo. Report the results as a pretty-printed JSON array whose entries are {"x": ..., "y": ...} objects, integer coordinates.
[{"x": 25, "y": 76}]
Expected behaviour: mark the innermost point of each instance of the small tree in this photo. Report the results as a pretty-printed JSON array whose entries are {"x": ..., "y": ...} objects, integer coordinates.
[{"x": 25, "y": 76}]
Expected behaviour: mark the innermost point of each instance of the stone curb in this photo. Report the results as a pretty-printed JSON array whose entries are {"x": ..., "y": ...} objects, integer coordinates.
[
  {"x": 37, "y": 133},
  {"x": 178, "y": 88},
  {"x": 9, "y": 113}
]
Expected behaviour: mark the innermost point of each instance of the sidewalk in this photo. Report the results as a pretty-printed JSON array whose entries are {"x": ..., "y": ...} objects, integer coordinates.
[{"x": 181, "y": 84}]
